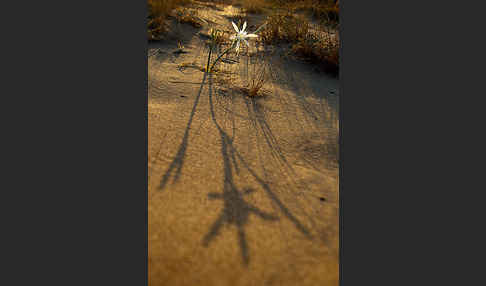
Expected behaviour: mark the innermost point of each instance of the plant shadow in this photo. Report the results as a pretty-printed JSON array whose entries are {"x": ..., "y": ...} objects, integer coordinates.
[
  {"x": 236, "y": 210},
  {"x": 175, "y": 167}
]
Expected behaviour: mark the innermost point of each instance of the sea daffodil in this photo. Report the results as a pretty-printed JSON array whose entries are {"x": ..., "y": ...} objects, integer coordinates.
[{"x": 241, "y": 36}]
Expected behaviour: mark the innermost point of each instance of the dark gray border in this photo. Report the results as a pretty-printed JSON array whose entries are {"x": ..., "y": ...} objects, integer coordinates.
[
  {"x": 405, "y": 113},
  {"x": 77, "y": 172}
]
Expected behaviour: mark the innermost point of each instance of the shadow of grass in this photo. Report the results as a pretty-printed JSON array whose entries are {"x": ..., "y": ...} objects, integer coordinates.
[{"x": 236, "y": 210}]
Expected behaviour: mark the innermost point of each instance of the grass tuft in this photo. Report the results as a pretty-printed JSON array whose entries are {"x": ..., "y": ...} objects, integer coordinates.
[
  {"x": 187, "y": 16},
  {"x": 253, "y": 6},
  {"x": 256, "y": 82},
  {"x": 284, "y": 27},
  {"x": 158, "y": 11},
  {"x": 318, "y": 46},
  {"x": 320, "y": 49}
]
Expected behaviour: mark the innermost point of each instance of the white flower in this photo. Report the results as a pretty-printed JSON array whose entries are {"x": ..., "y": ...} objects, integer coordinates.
[{"x": 241, "y": 35}]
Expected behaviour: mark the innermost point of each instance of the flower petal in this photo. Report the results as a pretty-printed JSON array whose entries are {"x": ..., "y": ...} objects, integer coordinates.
[
  {"x": 244, "y": 27},
  {"x": 246, "y": 42},
  {"x": 251, "y": 36},
  {"x": 236, "y": 27},
  {"x": 232, "y": 37}
]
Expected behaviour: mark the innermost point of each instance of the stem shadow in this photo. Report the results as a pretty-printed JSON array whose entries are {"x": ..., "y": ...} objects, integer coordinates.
[{"x": 177, "y": 163}]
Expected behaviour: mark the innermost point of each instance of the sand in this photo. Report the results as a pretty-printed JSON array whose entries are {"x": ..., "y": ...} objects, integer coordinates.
[{"x": 242, "y": 191}]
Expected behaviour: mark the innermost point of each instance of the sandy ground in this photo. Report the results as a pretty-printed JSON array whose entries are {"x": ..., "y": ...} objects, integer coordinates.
[{"x": 242, "y": 191}]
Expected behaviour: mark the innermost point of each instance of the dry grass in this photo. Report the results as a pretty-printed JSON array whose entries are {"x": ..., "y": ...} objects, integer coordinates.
[
  {"x": 196, "y": 66},
  {"x": 284, "y": 27},
  {"x": 318, "y": 46},
  {"x": 158, "y": 10},
  {"x": 187, "y": 16},
  {"x": 320, "y": 49},
  {"x": 253, "y": 6},
  {"x": 218, "y": 1},
  {"x": 219, "y": 37},
  {"x": 183, "y": 66},
  {"x": 259, "y": 77},
  {"x": 326, "y": 10}
]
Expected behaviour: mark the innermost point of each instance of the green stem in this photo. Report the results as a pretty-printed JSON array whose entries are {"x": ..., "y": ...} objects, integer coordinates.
[
  {"x": 232, "y": 46},
  {"x": 209, "y": 57}
]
